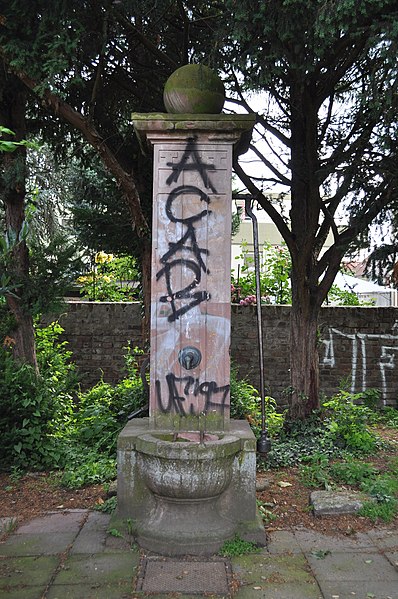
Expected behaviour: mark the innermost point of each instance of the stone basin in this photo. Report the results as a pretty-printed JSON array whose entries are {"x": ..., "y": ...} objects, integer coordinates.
[{"x": 185, "y": 466}]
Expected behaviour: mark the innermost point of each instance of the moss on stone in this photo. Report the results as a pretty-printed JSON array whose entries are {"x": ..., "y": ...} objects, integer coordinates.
[{"x": 194, "y": 89}]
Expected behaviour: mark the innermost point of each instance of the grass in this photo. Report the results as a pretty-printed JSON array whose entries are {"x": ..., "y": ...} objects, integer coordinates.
[{"x": 238, "y": 546}]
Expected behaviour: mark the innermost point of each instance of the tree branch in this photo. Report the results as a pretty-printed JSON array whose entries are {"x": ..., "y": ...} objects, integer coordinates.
[
  {"x": 74, "y": 118},
  {"x": 266, "y": 205}
]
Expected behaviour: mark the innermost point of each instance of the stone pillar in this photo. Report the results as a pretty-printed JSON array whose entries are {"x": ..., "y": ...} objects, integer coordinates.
[{"x": 190, "y": 304}]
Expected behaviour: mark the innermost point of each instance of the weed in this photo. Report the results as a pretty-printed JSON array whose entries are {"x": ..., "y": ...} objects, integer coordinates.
[
  {"x": 108, "y": 506},
  {"x": 9, "y": 526},
  {"x": 382, "y": 487},
  {"x": 266, "y": 514},
  {"x": 352, "y": 472},
  {"x": 114, "y": 532},
  {"x": 379, "y": 511},
  {"x": 238, "y": 546},
  {"x": 347, "y": 422},
  {"x": 88, "y": 469},
  {"x": 315, "y": 472}
]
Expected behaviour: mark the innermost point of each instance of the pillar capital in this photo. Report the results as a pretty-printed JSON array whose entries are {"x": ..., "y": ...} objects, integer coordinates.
[{"x": 235, "y": 129}]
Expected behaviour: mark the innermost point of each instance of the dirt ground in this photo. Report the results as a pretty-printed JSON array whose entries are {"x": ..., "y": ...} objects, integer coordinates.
[{"x": 36, "y": 493}]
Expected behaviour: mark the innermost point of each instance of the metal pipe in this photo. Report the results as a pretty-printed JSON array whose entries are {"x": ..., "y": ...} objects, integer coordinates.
[{"x": 263, "y": 443}]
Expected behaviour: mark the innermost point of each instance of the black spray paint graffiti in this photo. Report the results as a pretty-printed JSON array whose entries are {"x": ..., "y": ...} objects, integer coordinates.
[
  {"x": 188, "y": 241},
  {"x": 196, "y": 165},
  {"x": 186, "y": 254},
  {"x": 178, "y": 403}
]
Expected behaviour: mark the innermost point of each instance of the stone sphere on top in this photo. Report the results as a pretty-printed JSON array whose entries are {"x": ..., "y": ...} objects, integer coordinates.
[{"x": 194, "y": 89}]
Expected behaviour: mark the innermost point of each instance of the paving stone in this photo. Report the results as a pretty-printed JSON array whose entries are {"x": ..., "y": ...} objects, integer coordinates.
[
  {"x": 23, "y": 593},
  {"x": 353, "y": 567},
  {"x": 297, "y": 590},
  {"x": 55, "y": 522},
  {"x": 384, "y": 539},
  {"x": 122, "y": 590},
  {"x": 310, "y": 540},
  {"x": 262, "y": 569},
  {"x": 92, "y": 537},
  {"x": 282, "y": 541},
  {"x": 37, "y": 544},
  {"x": 329, "y": 503},
  {"x": 104, "y": 568},
  {"x": 359, "y": 590},
  {"x": 392, "y": 557},
  {"x": 117, "y": 544},
  {"x": 29, "y": 571}
]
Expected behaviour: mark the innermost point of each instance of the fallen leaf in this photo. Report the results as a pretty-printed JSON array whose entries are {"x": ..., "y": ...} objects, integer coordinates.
[
  {"x": 369, "y": 561},
  {"x": 282, "y": 484},
  {"x": 257, "y": 588}
]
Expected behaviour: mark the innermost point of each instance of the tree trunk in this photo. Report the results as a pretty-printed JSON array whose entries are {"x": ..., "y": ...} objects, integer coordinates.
[
  {"x": 12, "y": 116},
  {"x": 304, "y": 359},
  {"x": 305, "y": 208}
]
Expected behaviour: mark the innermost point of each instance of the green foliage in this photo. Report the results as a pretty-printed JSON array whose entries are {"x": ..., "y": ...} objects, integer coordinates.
[
  {"x": 347, "y": 422},
  {"x": 274, "y": 277},
  {"x": 379, "y": 511},
  {"x": 108, "y": 507},
  {"x": 238, "y": 546},
  {"x": 315, "y": 472},
  {"x": 388, "y": 416},
  {"x": 35, "y": 409},
  {"x": 246, "y": 403},
  {"x": 299, "y": 440},
  {"x": 343, "y": 297},
  {"x": 384, "y": 491},
  {"x": 111, "y": 279},
  {"x": 352, "y": 472},
  {"x": 47, "y": 424},
  {"x": 84, "y": 467},
  {"x": 11, "y": 146}
]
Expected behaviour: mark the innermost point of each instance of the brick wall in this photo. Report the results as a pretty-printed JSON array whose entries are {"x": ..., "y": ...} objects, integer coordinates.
[
  {"x": 356, "y": 344},
  {"x": 97, "y": 334}
]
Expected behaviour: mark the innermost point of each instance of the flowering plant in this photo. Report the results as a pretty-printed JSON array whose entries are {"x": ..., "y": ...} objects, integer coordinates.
[{"x": 112, "y": 279}]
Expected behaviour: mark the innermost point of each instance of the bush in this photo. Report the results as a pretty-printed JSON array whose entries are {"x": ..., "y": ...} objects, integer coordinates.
[
  {"x": 246, "y": 404},
  {"x": 347, "y": 422},
  {"x": 35, "y": 409}
]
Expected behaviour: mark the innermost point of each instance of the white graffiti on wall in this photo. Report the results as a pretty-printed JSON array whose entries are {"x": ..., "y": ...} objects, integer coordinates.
[{"x": 388, "y": 347}]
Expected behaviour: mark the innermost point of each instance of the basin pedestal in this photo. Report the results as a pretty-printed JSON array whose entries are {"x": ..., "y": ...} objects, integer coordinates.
[{"x": 187, "y": 497}]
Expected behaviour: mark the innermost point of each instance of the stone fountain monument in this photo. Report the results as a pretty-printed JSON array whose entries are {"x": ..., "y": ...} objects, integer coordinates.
[{"x": 186, "y": 474}]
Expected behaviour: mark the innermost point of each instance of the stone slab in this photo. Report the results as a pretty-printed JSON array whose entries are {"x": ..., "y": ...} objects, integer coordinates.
[
  {"x": 315, "y": 541},
  {"x": 160, "y": 575},
  {"x": 282, "y": 541},
  {"x": 35, "y": 592},
  {"x": 392, "y": 557},
  {"x": 70, "y": 521},
  {"x": 384, "y": 538},
  {"x": 92, "y": 537},
  {"x": 37, "y": 544},
  {"x": 329, "y": 503},
  {"x": 296, "y": 590},
  {"x": 359, "y": 590},
  {"x": 261, "y": 569},
  {"x": 26, "y": 571},
  {"x": 104, "y": 568},
  {"x": 353, "y": 567},
  {"x": 121, "y": 590}
]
